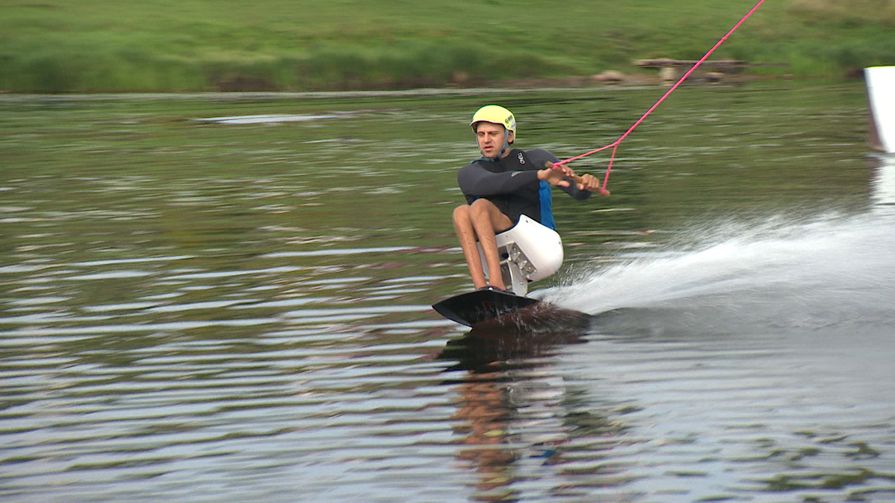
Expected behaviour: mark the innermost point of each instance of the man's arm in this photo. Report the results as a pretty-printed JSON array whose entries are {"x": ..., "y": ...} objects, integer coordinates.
[{"x": 477, "y": 181}]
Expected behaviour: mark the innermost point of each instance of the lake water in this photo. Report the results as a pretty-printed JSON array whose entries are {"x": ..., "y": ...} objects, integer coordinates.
[{"x": 197, "y": 309}]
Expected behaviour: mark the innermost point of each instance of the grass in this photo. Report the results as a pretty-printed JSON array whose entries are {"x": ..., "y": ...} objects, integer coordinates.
[{"x": 55, "y": 46}]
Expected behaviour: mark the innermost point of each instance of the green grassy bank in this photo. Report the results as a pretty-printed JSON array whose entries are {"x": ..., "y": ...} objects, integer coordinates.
[{"x": 301, "y": 45}]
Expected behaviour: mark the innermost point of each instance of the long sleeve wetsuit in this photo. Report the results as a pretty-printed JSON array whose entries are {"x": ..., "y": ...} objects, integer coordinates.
[{"x": 512, "y": 185}]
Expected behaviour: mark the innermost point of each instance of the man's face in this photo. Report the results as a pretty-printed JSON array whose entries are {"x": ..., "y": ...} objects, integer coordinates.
[{"x": 490, "y": 137}]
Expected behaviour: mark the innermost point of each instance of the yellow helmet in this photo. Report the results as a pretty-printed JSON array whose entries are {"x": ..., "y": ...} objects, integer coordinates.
[{"x": 496, "y": 115}]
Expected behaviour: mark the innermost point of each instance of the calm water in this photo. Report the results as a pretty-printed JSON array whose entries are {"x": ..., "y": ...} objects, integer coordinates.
[{"x": 207, "y": 310}]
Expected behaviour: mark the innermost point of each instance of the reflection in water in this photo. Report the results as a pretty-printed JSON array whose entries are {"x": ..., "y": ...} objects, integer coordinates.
[
  {"x": 512, "y": 408},
  {"x": 883, "y": 187},
  {"x": 490, "y": 346}
]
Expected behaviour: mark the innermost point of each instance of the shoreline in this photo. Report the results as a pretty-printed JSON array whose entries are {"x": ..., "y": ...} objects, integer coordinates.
[{"x": 592, "y": 83}]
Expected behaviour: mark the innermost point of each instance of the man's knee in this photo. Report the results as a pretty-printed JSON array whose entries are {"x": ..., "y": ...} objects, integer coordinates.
[
  {"x": 461, "y": 213},
  {"x": 481, "y": 208}
]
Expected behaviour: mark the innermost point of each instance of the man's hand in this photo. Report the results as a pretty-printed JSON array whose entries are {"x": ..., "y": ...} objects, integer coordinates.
[
  {"x": 560, "y": 176},
  {"x": 588, "y": 182},
  {"x": 591, "y": 183},
  {"x": 555, "y": 176}
]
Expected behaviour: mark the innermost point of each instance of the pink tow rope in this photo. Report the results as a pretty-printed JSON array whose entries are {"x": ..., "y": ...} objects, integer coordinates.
[{"x": 680, "y": 81}]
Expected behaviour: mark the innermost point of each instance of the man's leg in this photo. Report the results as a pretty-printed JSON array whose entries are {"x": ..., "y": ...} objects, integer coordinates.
[
  {"x": 487, "y": 221},
  {"x": 467, "y": 237}
]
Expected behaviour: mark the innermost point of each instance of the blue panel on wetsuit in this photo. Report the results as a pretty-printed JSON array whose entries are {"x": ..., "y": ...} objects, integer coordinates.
[{"x": 546, "y": 205}]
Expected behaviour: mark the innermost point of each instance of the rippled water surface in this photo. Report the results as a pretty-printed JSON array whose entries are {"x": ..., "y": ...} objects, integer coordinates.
[{"x": 227, "y": 298}]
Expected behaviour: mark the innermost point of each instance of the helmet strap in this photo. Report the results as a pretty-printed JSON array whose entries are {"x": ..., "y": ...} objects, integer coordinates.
[{"x": 506, "y": 145}]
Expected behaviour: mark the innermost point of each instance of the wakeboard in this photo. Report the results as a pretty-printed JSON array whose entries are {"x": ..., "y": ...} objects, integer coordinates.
[{"x": 479, "y": 306}]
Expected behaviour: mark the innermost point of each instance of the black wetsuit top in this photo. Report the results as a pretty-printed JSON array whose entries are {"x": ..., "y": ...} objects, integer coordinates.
[{"x": 512, "y": 185}]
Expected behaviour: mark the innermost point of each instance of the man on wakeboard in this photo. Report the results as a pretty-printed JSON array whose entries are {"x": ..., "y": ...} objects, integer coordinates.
[{"x": 503, "y": 185}]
